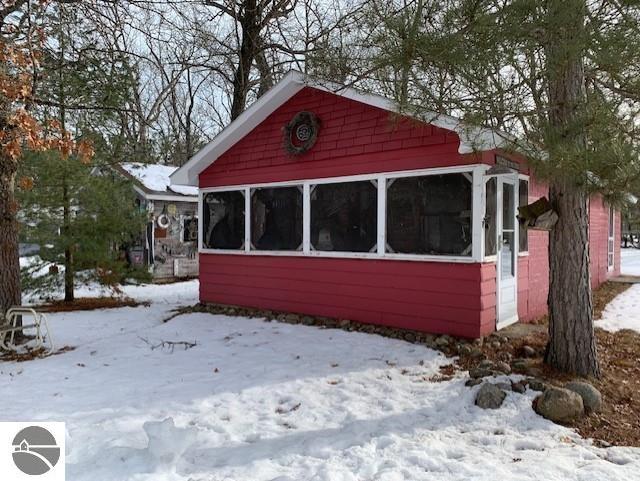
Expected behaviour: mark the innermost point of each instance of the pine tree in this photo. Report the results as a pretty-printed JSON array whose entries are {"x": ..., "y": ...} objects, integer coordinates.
[{"x": 560, "y": 77}]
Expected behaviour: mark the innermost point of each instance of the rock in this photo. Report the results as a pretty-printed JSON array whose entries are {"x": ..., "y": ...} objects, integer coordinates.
[
  {"x": 503, "y": 367},
  {"x": 307, "y": 321},
  {"x": 490, "y": 396},
  {"x": 496, "y": 344},
  {"x": 479, "y": 372},
  {"x": 473, "y": 382},
  {"x": 559, "y": 405},
  {"x": 410, "y": 337},
  {"x": 344, "y": 323},
  {"x": 528, "y": 351},
  {"x": 442, "y": 341},
  {"x": 504, "y": 386},
  {"x": 591, "y": 397},
  {"x": 476, "y": 353},
  {"x": 292, "y": 318},
  {"x": 537, "y": 385},
  {"x": 486, "y": 364},
  {"x": 464, "y": 349},
  {"x": 519, "y": 364},
  {"x": 518, "y": 387}
]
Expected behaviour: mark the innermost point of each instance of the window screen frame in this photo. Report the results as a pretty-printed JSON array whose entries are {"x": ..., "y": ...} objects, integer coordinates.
[{"x": 474, "y": 171}]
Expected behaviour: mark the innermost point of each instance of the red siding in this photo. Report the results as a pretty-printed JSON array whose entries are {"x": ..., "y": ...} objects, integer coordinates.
[
  {"x": 354, "y": 139},
  {"x": 427, "y": 296},
  {"x": 533, "y": 278},
  {"x": 452, "y": 298}
]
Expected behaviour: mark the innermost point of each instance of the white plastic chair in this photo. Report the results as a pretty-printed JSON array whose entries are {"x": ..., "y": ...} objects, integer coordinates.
[{"x": 10, "y": 326}]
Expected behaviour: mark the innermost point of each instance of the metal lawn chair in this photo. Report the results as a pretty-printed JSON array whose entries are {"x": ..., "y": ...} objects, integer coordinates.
[{"x": 9, "y": 326}]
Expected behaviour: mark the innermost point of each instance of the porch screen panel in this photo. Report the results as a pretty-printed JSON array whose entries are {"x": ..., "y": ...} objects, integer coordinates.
[
  {"x": 344, "y": 216},
  {"x": 490, "y": 217},
  {"x": 223, "y": 223},
  {"x": 523, "y": 194},
  {"x": 430, "y": 215},
  {"x": 276, "y": 218}
]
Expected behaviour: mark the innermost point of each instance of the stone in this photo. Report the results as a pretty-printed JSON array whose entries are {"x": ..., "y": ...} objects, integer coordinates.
[
  {"x": 496, "y": 344},
  {"x": 503, "y": 367},
  {"x": 519, "y": 364},
  {"x": 344, "y": 323},
  {"x": 473, "y": 382},
  {"x": 476, "y": 353},
  {"x": 504, "y": 386},
  {"x": 479, "y": 372},
  {"x": 486, "y": 364},
  {"x": 591, "y": 397},
  {"x": 528, "y": 351},
  {"x": 442, "y": 341},
  {"x": 518, "y": 387},
  {"x": 490, "y": 396},
  {"x": 559, "y": 405},
  {"x": 533, "y": 371},
  {"x": 292, "y": 318},
  {"x": 410, "y": 337},
  {"x": 537, "y": 385},
  {"x": 464, "y": 349}
]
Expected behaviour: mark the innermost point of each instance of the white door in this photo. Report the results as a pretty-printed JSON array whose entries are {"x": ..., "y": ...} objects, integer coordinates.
[{"x": 507, "y": 253}]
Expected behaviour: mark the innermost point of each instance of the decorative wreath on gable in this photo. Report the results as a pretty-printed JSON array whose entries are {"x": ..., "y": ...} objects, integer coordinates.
[{"x": 301, "y": 133}]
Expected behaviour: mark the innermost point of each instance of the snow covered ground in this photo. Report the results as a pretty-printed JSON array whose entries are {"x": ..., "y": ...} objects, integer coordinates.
[
  {"x": 257, "y": 400},
  {"x": 630, "y": 262},
  {"x": 624, "y": 311}
]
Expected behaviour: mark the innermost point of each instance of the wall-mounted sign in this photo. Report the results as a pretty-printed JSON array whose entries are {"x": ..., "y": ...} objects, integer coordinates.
[
  {"x": 301, "y": 133},
  {"x": 503, "y": 161}
]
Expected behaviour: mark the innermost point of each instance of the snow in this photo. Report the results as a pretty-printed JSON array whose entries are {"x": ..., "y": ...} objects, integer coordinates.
[
  {"x": 256, "y": 400},
  {"x": 624, "y": 311},
  {"x": 630, "y": 262},
  {"x": 156, "y": 177}
]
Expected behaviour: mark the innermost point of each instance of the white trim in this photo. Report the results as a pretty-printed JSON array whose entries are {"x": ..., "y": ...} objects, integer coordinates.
[
  {"x": 523, "y": 177},
  {"x": 471, "y": 138},
  {"x": 476, "y": 169},
  {"x": 611, "y": 239},
  {"x": 182, "y": 218},
  {"x": 306, "y": 214}
]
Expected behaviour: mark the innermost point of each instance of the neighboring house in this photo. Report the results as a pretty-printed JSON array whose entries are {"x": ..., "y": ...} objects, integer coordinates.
[
  {"x": 322, "y": 200},
  {"x": 169, "y": 245}
]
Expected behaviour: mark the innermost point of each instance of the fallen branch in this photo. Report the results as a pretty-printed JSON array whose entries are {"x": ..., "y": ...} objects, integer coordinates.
[{"x": 171, "y": 345}]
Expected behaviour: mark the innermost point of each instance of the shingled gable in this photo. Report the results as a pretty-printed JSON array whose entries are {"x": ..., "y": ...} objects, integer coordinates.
[{"x": 471, "y": 138}]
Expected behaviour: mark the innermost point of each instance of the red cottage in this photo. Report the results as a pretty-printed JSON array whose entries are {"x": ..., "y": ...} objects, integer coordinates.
[{"x": 320, "y": 200}]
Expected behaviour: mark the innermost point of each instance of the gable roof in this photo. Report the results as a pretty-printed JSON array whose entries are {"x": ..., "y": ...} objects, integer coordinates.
[
  {"x": 471, "y": 138},
  {"x": 154, "y": 180}
]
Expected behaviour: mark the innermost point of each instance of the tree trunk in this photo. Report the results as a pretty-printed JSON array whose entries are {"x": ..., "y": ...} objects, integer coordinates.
[
  {"x": 572, "y": 344},
  {"x": 69, "y": 271},
  {"x": 10, "y": 294},
  {"x": 250, "y": 31}
]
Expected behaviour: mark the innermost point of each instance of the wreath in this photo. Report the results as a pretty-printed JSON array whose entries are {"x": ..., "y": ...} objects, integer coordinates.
[
  {"x": 301, "y": 133},
  {"x": 163, "y": 221}
]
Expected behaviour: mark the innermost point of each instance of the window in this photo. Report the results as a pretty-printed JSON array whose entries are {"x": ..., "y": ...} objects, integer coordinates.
[
  {"x": 429, "y": 215},
  {"x": 523, "y": 200},
  {"x": 611, "y": 239},
  {"x": 276, "y": 218},
  {"x": 344, "y": 217},
  {"x": 490, "y": 218},
  {"x": 189, "y": 229},
  {"x": 223, "y": 220}
]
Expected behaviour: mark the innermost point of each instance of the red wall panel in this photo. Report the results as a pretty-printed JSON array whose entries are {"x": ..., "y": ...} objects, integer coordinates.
[
  {"x": 427, "y": 296},
  {"x": 354, "y": 139}
]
